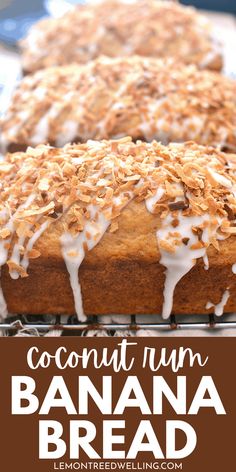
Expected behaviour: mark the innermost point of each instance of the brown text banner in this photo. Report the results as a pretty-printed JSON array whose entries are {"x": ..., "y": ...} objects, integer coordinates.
[{"x": 117, "y": 404}]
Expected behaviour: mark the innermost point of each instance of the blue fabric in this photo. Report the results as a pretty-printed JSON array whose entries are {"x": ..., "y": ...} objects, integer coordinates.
[
  {"x": 17, "y": 17},
  {"x": 217, "y": 5}
]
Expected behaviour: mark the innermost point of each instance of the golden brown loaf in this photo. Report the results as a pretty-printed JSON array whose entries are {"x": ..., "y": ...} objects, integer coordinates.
[
  {"x": 109, "y": 98},
  {"x": 117, "y": 227},
  {"x": 119, "y": 28}
]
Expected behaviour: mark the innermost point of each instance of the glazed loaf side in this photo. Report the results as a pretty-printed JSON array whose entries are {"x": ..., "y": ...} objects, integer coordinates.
[
  {"x": 117, "y": 227},
  {"x": 116, "y": 28},
  {"x": 121, "y": 275},
  {"x": 141, "y": 97}
]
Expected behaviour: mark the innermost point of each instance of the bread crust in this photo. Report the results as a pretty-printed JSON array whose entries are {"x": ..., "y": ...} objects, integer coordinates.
[{"x": 121, "y": 275}]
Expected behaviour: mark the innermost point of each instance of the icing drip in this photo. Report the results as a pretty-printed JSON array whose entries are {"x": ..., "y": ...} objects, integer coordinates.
[
  {"x": 42, "y": 128},
  {"x": 206, "y": 262},
  {"x": 15, "y": 257},
  {"x": 70, "y": 127},
  {"x": 219, "y": 308},
  {"x": 31, "y": 243},
  {"x": 3, "y": 306},
  {"x": 181, "y": 261},
  {"x": 234, "y": 268},
  {"x": 73, "y": 250},
  {"x": 68, "y": 134},
  {"x": 3, "y": 250},
  {"x": 151, "y": 201},
  {"x": 10, "y": 225}
]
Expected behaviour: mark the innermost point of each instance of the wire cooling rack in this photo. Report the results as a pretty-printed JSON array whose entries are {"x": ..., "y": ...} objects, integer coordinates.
[{"x": 70, "y": 325}]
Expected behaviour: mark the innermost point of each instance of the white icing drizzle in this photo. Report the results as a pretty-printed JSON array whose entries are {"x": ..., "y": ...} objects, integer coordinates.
[
  {"x": 73, "y": 252},
  {"x": 32, "y": 241},
  {"x": 40, "y": 93},
  {"x": 3, "y": 305},
  {"x": 184, "y": 258},
  {"x": 206, "y": 261},
  {"x": 42, "y": 128},
  {"x": 15, "y": 257},
  {"x": 219, "y": 307},
  {"x": 3, "y": 250},
  {"x": 222, "y": 180},
  {"x": 68, "y": 134},
  {"x": 156, "y": 126},
  {"x": 151, "y": 201},
  {"x": 10, "y": 225},
  {"x": 70, "y": 127}
]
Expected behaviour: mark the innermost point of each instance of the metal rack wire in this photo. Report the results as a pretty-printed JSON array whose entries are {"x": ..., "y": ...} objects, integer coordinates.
[{"x": 69, "y": 325}]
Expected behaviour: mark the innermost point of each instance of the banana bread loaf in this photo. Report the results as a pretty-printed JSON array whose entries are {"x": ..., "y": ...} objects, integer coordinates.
[
  {"x": 117, "y": 227},
  {"x": 109, "y": 98},
  {"x": 120, "y": 28}
]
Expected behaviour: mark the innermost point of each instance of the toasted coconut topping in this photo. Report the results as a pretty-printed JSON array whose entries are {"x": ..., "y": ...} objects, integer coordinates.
[
  {"x": 108, "y": 174},
  {"x": 119, "y": 28},
  {"x": 109, "y": 98},
  {"x": 92, "y": 183}
]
